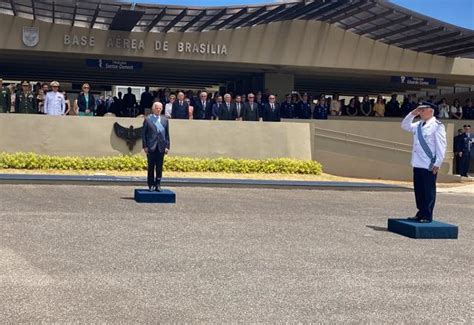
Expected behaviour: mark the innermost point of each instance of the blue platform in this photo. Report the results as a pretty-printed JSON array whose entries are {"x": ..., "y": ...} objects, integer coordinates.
[
  {"x": 145, "y": 196},
  {"x": 415, "y": 229}
]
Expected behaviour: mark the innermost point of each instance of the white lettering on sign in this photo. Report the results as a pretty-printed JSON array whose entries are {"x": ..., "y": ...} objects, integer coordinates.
[
  {"x": 79, "y": 41},
  {"x": 202, "y": 48},
  {"x": 161, "y": 46},
  {"x": 118, "y": 42}
]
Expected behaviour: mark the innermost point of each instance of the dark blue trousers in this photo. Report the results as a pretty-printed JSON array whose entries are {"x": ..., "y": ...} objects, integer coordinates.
[
  {"x": 155, "y": 167},
  {"x": 464, "y": 163},
  {"x": 425, "y": 192}
]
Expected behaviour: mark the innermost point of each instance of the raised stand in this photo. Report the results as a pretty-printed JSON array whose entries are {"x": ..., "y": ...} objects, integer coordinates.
[
  {"x": 415, "y": 229},
  {"x": 145, "y": 196}
]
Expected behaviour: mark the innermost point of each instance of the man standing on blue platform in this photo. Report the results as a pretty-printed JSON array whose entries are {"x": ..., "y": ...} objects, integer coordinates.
[
  {"x": 156, "y": 143},
  {"x": 429, "y": 149}
]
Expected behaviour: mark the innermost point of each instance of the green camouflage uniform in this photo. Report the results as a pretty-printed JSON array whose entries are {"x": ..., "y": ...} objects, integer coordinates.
[
  {"x": 25, "y": 103},
  {"x": 5, "y": 99}
]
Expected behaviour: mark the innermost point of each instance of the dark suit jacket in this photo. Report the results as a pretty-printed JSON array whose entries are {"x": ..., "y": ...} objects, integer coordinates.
[
  {"x": 129, "y": 100},
  {"x": 151, "y": 138},
  {"x": 251, "y": 114},
  {"x": 226, "y": 114},
  {"x": 235, "y": 112},
  {"x": 270, "y": 115},
  {"x": 180, "y": 111},
  {"x": 201, "y": 113},
  {"x": 81, "y": 102}
]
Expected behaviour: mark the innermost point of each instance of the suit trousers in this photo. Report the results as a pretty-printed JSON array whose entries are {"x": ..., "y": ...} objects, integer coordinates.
[
  {"x": 424, "y": 182},
  {"x": 155, "y": 167},
  {"x": 464, "y": 163}
]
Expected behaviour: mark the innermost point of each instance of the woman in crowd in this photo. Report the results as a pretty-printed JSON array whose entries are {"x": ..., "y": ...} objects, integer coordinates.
[
  {"x": 67, "y": 104},
  {"x": 351, "y": 109},
  {"x": 335, "y": 106},
  {"x": 444, "y": 109},
  {"x": 456, "y": 110},
  {"x": 86, "y": 101},
  {"x": 366, "y": 106},
  {"x": 169, "y": 106},
  {"x": 379, "y": 107}
]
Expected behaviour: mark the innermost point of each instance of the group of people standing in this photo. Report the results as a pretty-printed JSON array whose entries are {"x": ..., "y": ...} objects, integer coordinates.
[{"x": 46, "y": 99}]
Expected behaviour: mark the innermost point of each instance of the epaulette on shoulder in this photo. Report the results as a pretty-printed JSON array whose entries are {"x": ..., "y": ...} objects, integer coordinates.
[{"x": 439, "y": 122}]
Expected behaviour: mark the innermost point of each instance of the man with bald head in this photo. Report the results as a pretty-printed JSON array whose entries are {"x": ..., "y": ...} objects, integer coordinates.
[
  {"x": 429, "y": 149},
  {"x": 156, "y": 143}
]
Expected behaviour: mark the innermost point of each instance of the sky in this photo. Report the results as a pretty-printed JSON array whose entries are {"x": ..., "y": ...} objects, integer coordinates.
[{"x": 456, "y": 12}]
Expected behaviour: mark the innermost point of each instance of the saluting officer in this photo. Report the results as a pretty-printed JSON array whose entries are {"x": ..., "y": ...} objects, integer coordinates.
[
  {"x": 25, "y": 101},
  {"x": 5, "y": 99},
  {"x": 429, "y": 149}
]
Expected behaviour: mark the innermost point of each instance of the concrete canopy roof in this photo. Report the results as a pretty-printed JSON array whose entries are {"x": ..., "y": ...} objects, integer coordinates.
[{"x": 376, "y": 19}]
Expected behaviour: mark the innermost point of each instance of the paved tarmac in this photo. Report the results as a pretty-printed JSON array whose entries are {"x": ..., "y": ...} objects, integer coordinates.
[{"x": 90, "y": 254}]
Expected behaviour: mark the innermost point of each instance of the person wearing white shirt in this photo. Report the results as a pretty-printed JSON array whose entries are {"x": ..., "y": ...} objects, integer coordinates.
[
  {"x": 444, "y": 109},
  {"x": 429, "y": 150},
  {"x": 54, "y": 102},
  {"x": 169, "y": 106},
  {"x": 456, "y": 110}
]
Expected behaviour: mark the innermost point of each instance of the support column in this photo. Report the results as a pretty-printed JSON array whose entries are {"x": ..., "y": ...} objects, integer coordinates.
[{"x": 279, "y": 84}]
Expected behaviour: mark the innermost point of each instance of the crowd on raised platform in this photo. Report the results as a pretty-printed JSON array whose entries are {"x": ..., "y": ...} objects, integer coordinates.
[{"x": 44, "y": 98}]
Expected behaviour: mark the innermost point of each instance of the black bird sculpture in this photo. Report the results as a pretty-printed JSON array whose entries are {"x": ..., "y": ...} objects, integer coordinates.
[{"x": 131, "y": 135}]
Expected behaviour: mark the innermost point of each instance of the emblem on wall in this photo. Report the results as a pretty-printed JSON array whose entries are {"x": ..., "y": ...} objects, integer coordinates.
[
  {"x": 30, "y": 36},
  {"x": 131, "y": 135}
]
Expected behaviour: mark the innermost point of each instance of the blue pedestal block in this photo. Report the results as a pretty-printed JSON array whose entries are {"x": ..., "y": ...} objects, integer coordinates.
[
  {"x": 145, "y": 196},
  {"x": 415, "y": 229}
]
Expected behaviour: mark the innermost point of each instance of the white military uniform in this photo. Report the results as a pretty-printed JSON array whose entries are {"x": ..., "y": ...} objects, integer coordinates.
[
  {"x": 434, "y": 134},
  {"x": 54, "y": 103}
]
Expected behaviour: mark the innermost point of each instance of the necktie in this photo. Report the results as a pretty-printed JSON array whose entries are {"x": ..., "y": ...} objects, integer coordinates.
[
  {"x": 180, "y": 103},
  {"x": 423, "y": 124},
  {"x": 203, "y": 104},
  {"x": 273, "y": 107}
]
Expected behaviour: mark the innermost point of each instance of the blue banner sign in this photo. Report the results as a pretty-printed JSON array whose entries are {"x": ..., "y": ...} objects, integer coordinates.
[
  {"x": 415, "y": 81},
  {"x": 114, "y": 65}
]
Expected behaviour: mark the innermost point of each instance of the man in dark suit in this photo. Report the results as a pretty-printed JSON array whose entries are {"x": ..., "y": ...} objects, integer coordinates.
[
  {"x": 251, "y": 109},
  {"x": 238, "y": 108},
  {"x": 226, "y": 112},
  {"x": 466, "y": 145},
  {"x": 146, "y": 100},
  {"x": 271, "y": 110},
  {"x": 202, "y": 108},
  {"x": 156, "y": 143},
  {"x": 130, "y": 102},
  {"x": 180, "y": 108}
]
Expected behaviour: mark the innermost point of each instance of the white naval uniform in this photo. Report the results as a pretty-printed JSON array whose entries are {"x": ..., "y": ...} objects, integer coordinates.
[
  {"x": 54, "y": 103},
  {"x": 434, "y": 134}
]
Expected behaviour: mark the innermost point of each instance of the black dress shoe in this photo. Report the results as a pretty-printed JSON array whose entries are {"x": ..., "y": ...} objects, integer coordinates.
[
  {"x": 151, "y": 188},
  {"x": 424, "y": 221},
  {"x": 415, "y": 218},
  {"x": 158, "y": 188}
]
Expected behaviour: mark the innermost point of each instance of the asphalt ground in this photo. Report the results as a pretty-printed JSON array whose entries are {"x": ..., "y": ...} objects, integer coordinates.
[{"x": 90, "y": 254}]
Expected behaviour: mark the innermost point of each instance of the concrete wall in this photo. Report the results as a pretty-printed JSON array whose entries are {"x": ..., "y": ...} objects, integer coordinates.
[
  {"x": 94, "y": 136},
  {"x": 320, "y": 45},
  {"x": 369, "y": 148}
]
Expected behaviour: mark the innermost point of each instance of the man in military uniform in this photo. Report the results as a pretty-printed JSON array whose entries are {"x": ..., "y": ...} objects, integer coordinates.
[
  {"x": 5, "y": 99},
  {"x": 466, "y": 144},
  {"x": 287, "y": 107},
  {"x": 429, "y": 149},
  {"x": 25, "y": 101}
]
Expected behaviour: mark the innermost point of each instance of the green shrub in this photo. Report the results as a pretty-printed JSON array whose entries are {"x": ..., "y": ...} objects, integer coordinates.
[{"x": 175, "y": 164}]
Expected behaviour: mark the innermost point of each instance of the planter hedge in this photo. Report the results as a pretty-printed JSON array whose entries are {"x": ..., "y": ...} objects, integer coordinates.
[{"x": 177, "y": 164}]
